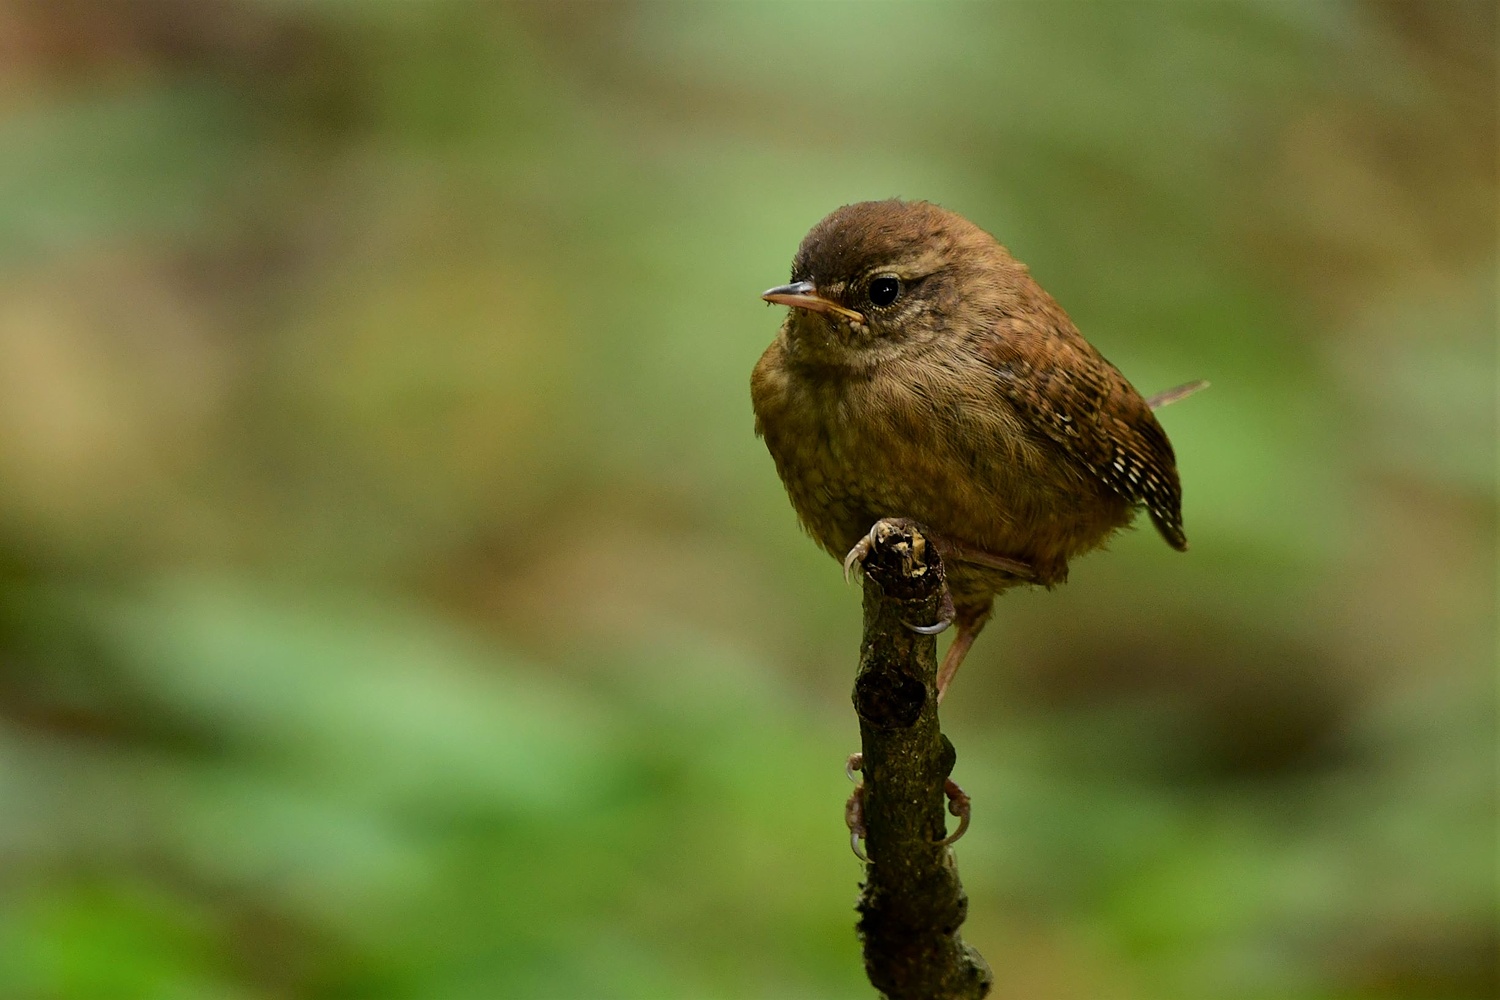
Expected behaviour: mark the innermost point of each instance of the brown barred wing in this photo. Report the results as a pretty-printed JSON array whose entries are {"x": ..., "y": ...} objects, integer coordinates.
[{"x": 1077, "y": 399}]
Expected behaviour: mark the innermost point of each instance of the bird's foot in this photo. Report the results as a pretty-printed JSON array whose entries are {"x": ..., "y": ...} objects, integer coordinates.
[
  {"x": 854, "y": 809},
  {"x": 879, "y": 532},
  {"x": 949, "y": 549},
  {"x": 958, "y": 805}
]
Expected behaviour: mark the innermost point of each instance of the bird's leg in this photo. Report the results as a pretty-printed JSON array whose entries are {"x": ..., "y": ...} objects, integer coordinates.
[
  {"x": 970, "y": 619},
  {"x": 955, "y": 551}
]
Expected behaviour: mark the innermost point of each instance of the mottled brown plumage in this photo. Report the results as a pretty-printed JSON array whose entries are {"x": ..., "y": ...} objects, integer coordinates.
[{"x": 923, "y": 374}]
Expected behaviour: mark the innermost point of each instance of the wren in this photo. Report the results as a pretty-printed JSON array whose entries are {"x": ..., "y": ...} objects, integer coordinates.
[{"x": 922, "y": 374}]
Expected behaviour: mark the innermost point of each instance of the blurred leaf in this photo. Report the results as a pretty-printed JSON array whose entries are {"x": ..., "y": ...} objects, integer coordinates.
[{"x": 107, "y": 166}]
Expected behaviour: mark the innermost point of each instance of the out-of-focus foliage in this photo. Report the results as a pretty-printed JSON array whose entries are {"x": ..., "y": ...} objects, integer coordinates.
[{"x": 394, "y": 601}]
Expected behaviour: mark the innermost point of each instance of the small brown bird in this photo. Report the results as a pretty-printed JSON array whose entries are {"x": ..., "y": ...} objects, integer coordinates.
[{"x": 922, "y": 374}]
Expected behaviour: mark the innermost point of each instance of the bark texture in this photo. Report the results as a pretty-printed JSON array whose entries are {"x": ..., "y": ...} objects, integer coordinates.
[{"x": 912, "y": 903}]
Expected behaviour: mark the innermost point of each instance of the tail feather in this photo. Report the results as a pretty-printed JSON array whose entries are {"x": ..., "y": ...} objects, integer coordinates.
[
  {"x": 1170, "y": 528},
  {"x": 1169, "y": 396}
]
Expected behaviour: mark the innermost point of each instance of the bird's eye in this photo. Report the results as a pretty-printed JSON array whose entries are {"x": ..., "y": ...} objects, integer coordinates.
[{"x": 884, "y": 290}]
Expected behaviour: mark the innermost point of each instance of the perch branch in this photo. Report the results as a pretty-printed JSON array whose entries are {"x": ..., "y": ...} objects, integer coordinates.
[{"x": 912, "y": 903}]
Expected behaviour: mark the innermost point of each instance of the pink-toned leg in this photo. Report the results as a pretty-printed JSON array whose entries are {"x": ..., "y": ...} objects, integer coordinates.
[
  {"x": 970, "y": 620},
  {"x": 957, "y": 551}
]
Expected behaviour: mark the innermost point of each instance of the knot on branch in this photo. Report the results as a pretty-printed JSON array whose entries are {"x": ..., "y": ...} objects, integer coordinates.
[{"x": 889, "y": 700}]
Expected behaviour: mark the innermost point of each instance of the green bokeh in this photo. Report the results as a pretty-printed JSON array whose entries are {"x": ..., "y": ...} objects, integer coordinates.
[{"x": 395, "y": 601}]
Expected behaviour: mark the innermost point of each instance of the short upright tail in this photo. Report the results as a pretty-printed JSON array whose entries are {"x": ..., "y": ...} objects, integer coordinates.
[
  {"x": 1166, "y": 516},
  {"x": 1170, "y": 527},
  {"x": 1169, "y": 396}
]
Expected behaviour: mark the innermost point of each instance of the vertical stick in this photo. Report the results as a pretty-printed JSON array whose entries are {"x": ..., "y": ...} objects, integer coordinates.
[{"x": 912, "y": 903}]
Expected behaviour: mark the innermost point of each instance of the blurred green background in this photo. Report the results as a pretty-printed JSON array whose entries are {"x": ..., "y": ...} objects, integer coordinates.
[{"x": 395, "y": 602}]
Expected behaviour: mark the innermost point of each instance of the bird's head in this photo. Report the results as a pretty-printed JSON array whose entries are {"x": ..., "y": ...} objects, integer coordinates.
[{"x": 878, "y": 279}]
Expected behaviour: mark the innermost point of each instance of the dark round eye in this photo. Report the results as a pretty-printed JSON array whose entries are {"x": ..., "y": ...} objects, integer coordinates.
[{"x": 884, "y": 290}]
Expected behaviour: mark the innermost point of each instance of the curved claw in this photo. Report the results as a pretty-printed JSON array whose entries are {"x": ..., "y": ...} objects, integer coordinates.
[
  {"x": 963, "y": 827},
  {"x": 854, "y": 815},
  {"x": 862, "y": 548},
  {"x": 941, "y": 626},
  {"x": 856, "y": 556},
  {"x": 958, "y": 805},
  {"x": 855, "y": 762}
]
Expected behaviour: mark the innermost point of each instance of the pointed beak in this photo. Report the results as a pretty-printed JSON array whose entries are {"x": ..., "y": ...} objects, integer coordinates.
[{"x": 804, "y": 295}]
